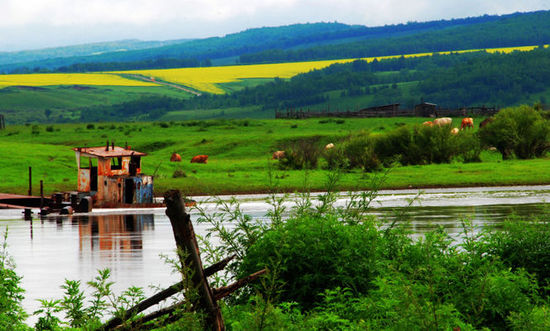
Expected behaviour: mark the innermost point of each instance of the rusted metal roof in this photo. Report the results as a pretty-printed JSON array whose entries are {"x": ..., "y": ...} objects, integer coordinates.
[{"x": 111, "y": 151}]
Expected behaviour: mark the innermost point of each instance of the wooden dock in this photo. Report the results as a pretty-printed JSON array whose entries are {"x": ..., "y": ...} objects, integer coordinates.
[{"x": 17, "y": 201}]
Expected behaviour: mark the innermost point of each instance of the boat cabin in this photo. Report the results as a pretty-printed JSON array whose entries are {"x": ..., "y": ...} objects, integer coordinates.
[{"x": 112, "y": 176}]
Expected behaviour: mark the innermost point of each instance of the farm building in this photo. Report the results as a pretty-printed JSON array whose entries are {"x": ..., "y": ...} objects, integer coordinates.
[
  {"x": 425, "y": 109},
  {"x": 112, "y": 176}
]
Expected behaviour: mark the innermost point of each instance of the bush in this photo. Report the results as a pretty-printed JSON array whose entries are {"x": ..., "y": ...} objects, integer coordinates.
[
  {"x": 520, "y": 131},
  {"x": 316, "y": 254},
  {"x": 394, "y": 146},
  {"x": 302, "y": 153},
  {"x": 432, "y": 145},
  {"x": 335, "y": 157},
  {"x": 426, "y": 145},
  {"x": 524, "y": 245},
  {"x": 35, "y": 130},
  {"x": 178, "y": 173},
  {"x": 468, "y": 146},
  {"x": 360, "y": 152}
]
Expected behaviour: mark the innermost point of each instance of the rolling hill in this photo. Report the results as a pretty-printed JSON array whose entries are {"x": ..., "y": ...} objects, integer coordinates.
[{"x": 315, "y": 41}]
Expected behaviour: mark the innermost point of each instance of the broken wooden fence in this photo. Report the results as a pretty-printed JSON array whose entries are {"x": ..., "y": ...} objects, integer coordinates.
[{"x": 188, "y": 250}]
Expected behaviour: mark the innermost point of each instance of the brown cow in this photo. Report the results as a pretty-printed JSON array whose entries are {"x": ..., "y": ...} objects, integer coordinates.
[
  {"x": 277, "y": 155},
  {"x": 175, "y": 157},
  {"x": 428, "y": 123},
  {"x": 467, "y": 122},
  {"x": 443, "y": 121},
  {"x": 486, "y": 121},
  {"x": 199, "y": 159}
]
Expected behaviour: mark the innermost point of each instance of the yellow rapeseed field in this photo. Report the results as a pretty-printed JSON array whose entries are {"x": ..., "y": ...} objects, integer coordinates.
[
  {"x": 69, "y": 79},
  {"x": 207, "y": 79},
  {"x": 203, "y": 79}
]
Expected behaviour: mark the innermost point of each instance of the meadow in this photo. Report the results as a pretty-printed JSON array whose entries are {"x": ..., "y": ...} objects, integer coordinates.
[{"x": 239, "y": 156}]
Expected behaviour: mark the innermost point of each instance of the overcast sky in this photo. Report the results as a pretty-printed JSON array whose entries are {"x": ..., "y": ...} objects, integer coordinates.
[{"x": 30, "y": 24}]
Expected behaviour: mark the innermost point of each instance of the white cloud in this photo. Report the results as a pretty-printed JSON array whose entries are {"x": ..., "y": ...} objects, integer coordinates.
[{"x": 68, "y": 21}]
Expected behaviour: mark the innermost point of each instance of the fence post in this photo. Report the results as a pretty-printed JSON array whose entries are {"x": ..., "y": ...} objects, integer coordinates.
[
  {"x": 30, "y": 181},
  {"x": 187, "y": 242}
]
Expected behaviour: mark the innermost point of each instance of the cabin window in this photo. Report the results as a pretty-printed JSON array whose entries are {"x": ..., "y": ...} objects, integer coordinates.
[
  {"x": 116, "y": 163},
  {"x": 88, "y": 162}
]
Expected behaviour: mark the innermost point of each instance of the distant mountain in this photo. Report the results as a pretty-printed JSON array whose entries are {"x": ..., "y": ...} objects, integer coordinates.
[
  {"x": 305, "y": 42},
  {"x": 92, "y": 49}
]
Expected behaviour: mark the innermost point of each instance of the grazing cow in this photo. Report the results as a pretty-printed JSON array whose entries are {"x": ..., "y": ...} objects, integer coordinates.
[
  {"x": 175, "y": 157},
  {"x": 454, "y": 131},
  {"x": 428, "y": 123},
  {"x": 486, "y": 121},
  {"x": 467, "y": 122},
  {"x": 199, "y": 159},
  {"x": 443, "y": 121},
  {"x": 277, "y": 155},
  {"x": 329, "y": 146}
]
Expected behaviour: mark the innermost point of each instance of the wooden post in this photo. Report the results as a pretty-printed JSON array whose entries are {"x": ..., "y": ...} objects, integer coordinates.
[
  {"x": 30, "y": 181},
  {"x": 186, "y": 242},
  {"x": 41, "y": 195},
  {"x": 164, "y": 294}
]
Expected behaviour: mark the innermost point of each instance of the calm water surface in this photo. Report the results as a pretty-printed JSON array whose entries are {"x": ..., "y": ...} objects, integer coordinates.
[{"x": 47, "y": 251}]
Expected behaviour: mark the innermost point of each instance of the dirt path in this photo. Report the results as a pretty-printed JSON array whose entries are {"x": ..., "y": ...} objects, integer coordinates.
[{"x": 153, "y": 80}]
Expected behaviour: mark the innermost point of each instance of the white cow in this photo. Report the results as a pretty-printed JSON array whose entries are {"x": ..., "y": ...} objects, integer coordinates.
[{"x": 443, "y": 121}]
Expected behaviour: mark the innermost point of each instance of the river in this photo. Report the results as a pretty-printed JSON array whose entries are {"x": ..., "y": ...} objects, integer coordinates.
[{"x": 129, "y": 242}]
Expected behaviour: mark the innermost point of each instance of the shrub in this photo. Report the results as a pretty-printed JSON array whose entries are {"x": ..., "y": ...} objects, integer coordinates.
[
  {"x": 335, "y": 157},
  {"x": 178, "y": 173},
  {"x": 535, "y": 319},
  {"x": 360, "y": 152},
  {"x": 520, "y": 131},
  {"x": 468, "y": 146},
  {"x": 35, "y": 130},
  {"x": 432, "y": 145},
  {"x": 302, "y": 153},
  {"x": 394, "y": 146},
  {"x": 316, "y": 254},
  {"x": 90, "y": 126},
  {"x": 524, "y": 245}
]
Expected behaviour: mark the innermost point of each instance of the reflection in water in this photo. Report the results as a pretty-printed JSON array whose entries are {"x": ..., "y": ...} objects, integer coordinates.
[
  {"x": 113, "y": 232},
  {"x": 76, "y": 246},
  {"x": 423, "y": 219}
]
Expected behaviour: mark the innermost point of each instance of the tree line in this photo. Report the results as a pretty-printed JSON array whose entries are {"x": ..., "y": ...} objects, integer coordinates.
[
  {"x": 528, "y": 29},
  {"x": 454, "y": 80}
]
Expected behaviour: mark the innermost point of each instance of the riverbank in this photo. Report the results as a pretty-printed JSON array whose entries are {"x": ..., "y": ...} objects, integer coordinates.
[
  {"x": 239, "y": 157},
  {"x": 485, "y": 174}
]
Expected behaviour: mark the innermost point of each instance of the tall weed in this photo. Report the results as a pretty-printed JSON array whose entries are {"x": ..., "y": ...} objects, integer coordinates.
[{"x": 12, "y": 314}]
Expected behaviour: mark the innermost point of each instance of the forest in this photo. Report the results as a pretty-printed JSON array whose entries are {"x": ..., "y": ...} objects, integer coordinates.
[
  {"x": 454, "y": 80},
  {"x": 528, "y": 29}
]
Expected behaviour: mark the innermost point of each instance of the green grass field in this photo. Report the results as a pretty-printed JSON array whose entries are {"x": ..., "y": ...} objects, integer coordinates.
[
  {"x": 28, "y": 104},
  {"x": 239, "y": 156}
]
